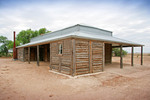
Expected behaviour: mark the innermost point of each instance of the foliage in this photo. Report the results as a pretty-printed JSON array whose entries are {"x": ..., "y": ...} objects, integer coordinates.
[
  {"x": 11, "y": 44},
  {"x": 43, "y": 31},
  {"x": 22, "y": 38},
  {"x": 116, "y": 52},
  {"x": 25, "y": 35},
  {"x": 4, "y": 45}
]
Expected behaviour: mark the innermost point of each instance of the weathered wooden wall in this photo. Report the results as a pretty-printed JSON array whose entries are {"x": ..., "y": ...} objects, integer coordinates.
[
  {"x": 25, "y": 54},
  {"x": 82, "y": 56},
  {"x": 97, "y": 56},
  {"x": 108, "y": 53},
  {"x": 86, "y": 60},
  {"x": 88, "y": 56},
  {"x": 46, "y": 52},
  {"x": 33, "y": 53},
  {"x": 61, "y": 62},
  {"x": 20, "y": 54}
]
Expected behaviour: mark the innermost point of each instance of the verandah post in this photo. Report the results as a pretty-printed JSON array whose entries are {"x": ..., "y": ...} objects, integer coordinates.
[
  {"x": 90, "y": 57},
  {"x": 29, "y": 55},
  {"x": 50, "y": 57},
  {"x": 37, "y": 55},
  {"x": 132, "y": 55},
  {"x": 73, "y": 58},
  {"x": 121, "y": 59},
  {"x": 141, "y": 55},
  {"x": 103, "y": 57}
]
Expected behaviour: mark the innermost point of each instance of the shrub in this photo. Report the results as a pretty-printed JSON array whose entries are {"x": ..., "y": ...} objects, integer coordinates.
[{"x": 116, "y": 52}]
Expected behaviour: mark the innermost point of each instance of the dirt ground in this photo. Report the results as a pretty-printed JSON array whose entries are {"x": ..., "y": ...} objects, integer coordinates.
[{"x": 23, "y": 81}]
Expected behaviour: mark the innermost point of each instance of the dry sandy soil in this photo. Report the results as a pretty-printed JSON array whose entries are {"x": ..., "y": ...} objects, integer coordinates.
[{"x": 23, "y": 81}]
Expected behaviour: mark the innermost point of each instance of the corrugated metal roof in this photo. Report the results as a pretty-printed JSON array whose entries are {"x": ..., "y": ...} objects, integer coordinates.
[
  {"x": 75, "y": 28},
  {"x": 79, "y": 31}
]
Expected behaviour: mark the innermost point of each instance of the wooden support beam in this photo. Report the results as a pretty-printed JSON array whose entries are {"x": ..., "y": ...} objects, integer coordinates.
[
  {"x": 141, "y": 55},
  {"x": 24, "y": 54},
  {"x": 29, "y": 55},
  {"x": 124, "y": 46},
  {"x": 73, "y": 58},
  {"x": 50, "y": 57},
  {"x": 132, "y": 55},
  {"x": 103, "y": 57},
  {"x": 45, "y": 53},
  {"x": 111, "y": 53},
  {"x": 119, "y": 46},
  {"x": 59, "y": 64},
  {"x": 37, "y": 55},
  {"x": 90, "y": 57},
  {"x": 121, "y": 58}
]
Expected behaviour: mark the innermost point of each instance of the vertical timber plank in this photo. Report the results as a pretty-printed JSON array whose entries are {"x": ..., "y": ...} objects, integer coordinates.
[
  {"x": 71, "y": 69},
  {"x": 103, "y": 57},
  {"x": 37, "y": 55},
  {"x": 59, "y": 64},
  {"x": 132, "y": 55},
  {"x": 73, "y": 58},
  {"x": 23, "y": 54},
  {"x": 111, "y": 53},
  {"x": 45, "y": 56},
  {"x": 141, "y": 55},
  {"x": 90, "y": 57},
  {"x": 50, "y": 57},
  {"x": 121, "y": 62},
  {"x": 29, "y": 55}
]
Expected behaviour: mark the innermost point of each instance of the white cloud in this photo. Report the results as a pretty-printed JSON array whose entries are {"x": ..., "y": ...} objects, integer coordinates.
[{"x": 125, "y": 22}]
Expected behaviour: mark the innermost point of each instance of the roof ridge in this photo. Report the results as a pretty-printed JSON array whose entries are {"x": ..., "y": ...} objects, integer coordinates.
[{"x": 78, "y": 29}]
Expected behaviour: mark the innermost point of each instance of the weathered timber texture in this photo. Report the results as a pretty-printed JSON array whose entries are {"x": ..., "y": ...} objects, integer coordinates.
[
  {"x": 73, "y": 71},
  {"x": 97, "y": 54},
  {"x": 88, "y": 56},
  {"x": 33, "y": 55},
  {"x": 29, "y": 55},
  {"x": 61, "y": 62},
  {"x": 103, "y": 65},
  {"x": 50, "y": 56},
  {"x": 121, "y": 57},
  {"x": 25, "y": 54},
  {"x": 108, "y": 53},
  {"x": 20, "y": 54},
  {"x": 82, "y": 56},
  {"x": 132, "y": 55},
  {"x": 37, "y": 55},
  {"x": 78, "y": 56},
  {"x": 141, "y": 55},
  {"x": 45, "y": 53}
]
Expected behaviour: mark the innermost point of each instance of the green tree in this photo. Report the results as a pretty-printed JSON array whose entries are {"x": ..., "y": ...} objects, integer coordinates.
[
  {"x": 4, "y": 45},
  {"x": 25, "y": 35},
  {"x": 11, "y": 44},
  {"x": 43, "y": 31},
  {"x": 116, "y": 52},
  {"x": 35, "y": 33}
]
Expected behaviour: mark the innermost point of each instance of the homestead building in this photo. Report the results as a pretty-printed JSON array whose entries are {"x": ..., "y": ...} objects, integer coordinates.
[{"x": 75, "y": 50}]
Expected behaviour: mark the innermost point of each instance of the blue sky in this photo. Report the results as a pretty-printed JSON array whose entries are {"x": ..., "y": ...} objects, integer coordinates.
[{"x": 128, "y": 19}]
